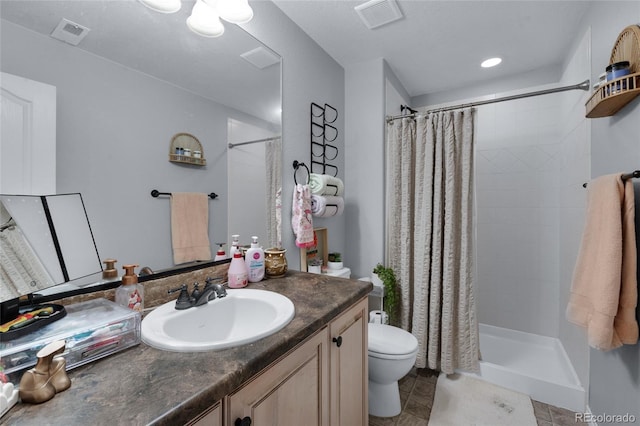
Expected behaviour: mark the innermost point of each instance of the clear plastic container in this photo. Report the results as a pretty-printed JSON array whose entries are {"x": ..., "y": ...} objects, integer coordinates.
[{"x": 91, "y": 330}]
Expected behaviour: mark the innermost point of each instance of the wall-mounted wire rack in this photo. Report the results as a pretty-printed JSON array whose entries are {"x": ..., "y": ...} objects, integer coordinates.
[{"x": 324, "y": 137}]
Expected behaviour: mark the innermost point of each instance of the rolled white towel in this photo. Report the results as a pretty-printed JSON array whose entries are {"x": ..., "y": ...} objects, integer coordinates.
[
  {"x": 326, "y": 185},
  {"x": 326, "y": 206}
]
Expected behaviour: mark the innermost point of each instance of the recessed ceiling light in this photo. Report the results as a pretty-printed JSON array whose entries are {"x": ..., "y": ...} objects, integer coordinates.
[{"x": 491, "y": 62}]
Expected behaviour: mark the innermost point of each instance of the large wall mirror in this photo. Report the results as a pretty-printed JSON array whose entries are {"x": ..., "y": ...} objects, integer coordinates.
[{"x": 135, "y": 80}]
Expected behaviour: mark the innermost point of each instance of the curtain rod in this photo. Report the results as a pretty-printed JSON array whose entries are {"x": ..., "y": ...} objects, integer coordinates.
[
  {"x": 580, "y": 86},
  {"x": 231, "y": 145}
]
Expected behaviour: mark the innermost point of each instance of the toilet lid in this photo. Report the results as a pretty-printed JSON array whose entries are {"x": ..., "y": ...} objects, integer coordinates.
[{"x": 386, "y": 339}]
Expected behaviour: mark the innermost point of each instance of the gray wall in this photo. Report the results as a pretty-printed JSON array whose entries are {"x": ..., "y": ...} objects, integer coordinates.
[
  {"x": 113, "y": 135},
  {"x": 575, "y": 157},
  {"x": 372, "y": 91},
  {"x": 309, "y": 75},
  {"x": 365, "y": 166},
  {"x": 614, "y": 375}
]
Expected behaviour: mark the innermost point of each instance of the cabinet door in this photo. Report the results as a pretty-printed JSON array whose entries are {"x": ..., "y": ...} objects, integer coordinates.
[
  {"x": 349, "y": 367},
  {"x": 294, "y": 391},
  {"x": 213, "y": 417}
]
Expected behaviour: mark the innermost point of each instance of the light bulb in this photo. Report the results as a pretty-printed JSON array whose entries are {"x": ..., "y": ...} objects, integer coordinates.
[
  {"x": 235, "y": 11},
  {"x": 492, "y": 62},
  {"x": 204, "y": 20},
  {"x": 162, "y": 6}
]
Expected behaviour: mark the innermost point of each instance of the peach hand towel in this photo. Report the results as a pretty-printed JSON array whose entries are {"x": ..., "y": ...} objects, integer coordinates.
[
  {"x": 604, "y": 290},
  {"x": 190, "y": 227}
]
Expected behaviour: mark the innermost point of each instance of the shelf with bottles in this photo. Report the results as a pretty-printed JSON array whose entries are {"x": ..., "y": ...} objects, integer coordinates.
[
  {"x": 611, "y": 96},
  {"x": 187, "y": 149}
]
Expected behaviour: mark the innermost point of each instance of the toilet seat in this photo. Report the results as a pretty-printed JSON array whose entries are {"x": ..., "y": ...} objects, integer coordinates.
[{"x": 390, "y": 342}]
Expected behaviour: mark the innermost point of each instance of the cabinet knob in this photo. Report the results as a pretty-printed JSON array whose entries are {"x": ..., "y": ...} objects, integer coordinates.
[
  {"x": 338, "y": 341},
  {"x": 243, "y": 422}
]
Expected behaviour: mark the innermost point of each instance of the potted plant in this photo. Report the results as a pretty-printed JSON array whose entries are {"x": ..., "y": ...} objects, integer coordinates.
[
  {"x": 335, "y": 261},
  {"x": 389, "y": 281}
]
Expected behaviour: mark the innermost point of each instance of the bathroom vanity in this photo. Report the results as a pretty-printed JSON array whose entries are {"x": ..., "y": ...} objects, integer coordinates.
[{"x": 312, "y": 372}]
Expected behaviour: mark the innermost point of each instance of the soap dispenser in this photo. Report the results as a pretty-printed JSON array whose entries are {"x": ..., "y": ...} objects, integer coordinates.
[
  {"x": 110, "y": 270},
  {"x": 130, "y": 294},
  {"x": 235, "y": 244},
  {"x": 220, "y": 254},
  {"x": 237, "y": 273},
  {"x": 254, "y": 259}
]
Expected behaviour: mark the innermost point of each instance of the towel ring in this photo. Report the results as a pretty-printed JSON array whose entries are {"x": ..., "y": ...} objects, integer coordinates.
[{"x": 296, "y": 166}]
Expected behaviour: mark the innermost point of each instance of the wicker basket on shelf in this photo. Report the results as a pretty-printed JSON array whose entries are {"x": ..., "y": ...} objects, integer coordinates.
[{"x": 186, "y": 141}]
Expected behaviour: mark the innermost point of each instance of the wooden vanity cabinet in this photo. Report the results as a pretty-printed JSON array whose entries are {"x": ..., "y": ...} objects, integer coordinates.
[
  {"x": 349, "y": 367},
  {"x": 212, "y": 417},
  {"x": 321, "y": 382}
]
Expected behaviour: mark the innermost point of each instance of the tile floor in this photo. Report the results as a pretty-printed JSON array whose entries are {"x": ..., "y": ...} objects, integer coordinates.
[{"x": 418, "y": 388}]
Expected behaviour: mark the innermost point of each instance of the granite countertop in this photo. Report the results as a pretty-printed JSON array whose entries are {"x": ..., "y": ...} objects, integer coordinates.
[{"x": 143, "y": 385}]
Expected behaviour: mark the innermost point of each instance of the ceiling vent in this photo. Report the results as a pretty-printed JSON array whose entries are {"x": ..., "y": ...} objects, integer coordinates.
[
  {"x": 376, "y": 13},
  {"x": 70, "y": 32},
  {"x": 261, "y": 57}
]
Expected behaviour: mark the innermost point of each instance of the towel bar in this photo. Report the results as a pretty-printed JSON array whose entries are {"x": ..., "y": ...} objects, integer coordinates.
[
  {"x": 632, "y": 175},
  {"x": 155, "y": 193}
]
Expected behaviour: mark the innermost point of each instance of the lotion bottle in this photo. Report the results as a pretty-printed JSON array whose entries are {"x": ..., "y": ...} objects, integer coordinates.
[
  {"x": 237, "y": 272},
  {"x": 254, "y": 259},
  {"x": 130, "y": 294}
]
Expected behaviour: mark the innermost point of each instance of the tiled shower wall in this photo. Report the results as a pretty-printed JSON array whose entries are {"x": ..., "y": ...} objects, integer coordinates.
[{"x": 518, "y": 169}]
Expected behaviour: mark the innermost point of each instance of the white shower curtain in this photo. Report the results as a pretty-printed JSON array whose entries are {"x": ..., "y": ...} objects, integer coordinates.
[
  {"x": 273, "y": 166},
  {"x": 431, "y": 238}
]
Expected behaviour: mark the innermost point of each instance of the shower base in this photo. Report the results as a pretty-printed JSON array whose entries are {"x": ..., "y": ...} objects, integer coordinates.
[{"x": 531, "y": 364}]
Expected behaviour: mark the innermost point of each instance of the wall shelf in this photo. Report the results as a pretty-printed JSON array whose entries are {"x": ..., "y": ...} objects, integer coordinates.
[
  {"x": 612, "y": 96},
  {"x": 609, "y": 98},
  {"x": 186, "y": 141}
]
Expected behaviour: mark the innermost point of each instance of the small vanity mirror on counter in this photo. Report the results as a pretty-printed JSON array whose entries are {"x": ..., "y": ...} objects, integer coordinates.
[
  {"x": 147, "y": 81},
  {"x": 44, "y": 241}
]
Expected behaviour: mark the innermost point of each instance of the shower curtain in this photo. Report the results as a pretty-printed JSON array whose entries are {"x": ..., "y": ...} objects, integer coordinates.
[
  {"x": 431, "y": 237},
  {"x": 273, "y": 163}
]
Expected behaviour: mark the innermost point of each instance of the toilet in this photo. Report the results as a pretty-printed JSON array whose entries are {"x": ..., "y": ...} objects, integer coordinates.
[{"x": 392, "y": 354}]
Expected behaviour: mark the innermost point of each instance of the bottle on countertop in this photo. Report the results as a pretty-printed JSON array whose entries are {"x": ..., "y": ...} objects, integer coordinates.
[
  {"x": 235, "y": 244},
  {"x": 220, "y": 254},
  {"x": 254, "y": 259},
  {"x": 237, "y": 273},
  {"x": 130, "y": 294}
]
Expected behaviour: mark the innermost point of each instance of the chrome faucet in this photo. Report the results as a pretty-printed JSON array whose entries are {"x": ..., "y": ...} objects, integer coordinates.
[
  {"x": 203, "y": 297},
  {"x": 219, "y": 289},
  {"x": 184, "y": 300},
  {"x": 197, "y": 297}
]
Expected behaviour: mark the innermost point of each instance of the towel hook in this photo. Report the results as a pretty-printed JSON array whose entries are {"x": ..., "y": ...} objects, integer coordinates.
[{"x": 296, "y": 166}]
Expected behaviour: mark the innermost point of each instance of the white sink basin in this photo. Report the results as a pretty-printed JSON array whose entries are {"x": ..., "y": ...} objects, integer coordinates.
[{"x": 243, "y": 316}]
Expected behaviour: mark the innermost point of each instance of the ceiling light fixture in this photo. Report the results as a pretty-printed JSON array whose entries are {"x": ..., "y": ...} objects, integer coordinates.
[
  {"x": 204, "y": 20},
  {"x": 235, "y": 11},
  {"x": 162, "y": 6},
  {"x": 206, "y": 14},
  {"x": 491, "y": 62}
]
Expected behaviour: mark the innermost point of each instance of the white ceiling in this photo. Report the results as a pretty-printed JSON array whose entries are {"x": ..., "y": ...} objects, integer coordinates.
[
  {"x": 161, "y": 45},
  {"x": 439, "y": 45}
]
